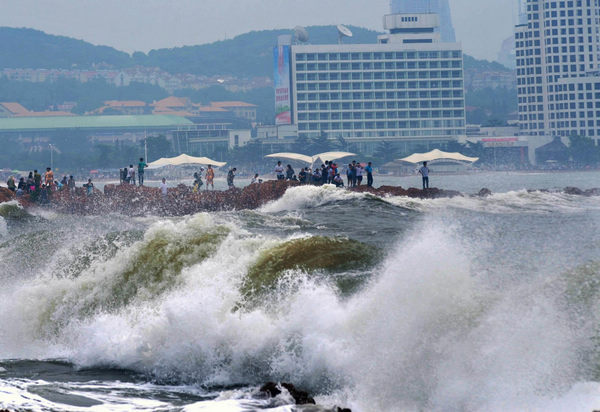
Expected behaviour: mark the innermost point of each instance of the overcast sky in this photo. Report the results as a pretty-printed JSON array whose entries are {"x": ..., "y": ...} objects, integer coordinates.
[{"x": 132, "y": 25}]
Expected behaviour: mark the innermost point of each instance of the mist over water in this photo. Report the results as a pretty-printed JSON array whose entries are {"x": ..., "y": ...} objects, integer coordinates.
[{"x": 473, "y": 304}]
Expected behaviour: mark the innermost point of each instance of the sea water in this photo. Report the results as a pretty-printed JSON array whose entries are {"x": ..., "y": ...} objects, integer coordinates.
[{"x": 376, "y": 304}]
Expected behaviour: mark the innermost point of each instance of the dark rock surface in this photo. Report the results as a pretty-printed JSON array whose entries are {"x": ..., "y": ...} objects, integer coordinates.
[
  {"x": 6, "y": 196},
  {"x": 300, "y": 397},
  {"x": 485, "y": 192},
  {"x": 432, "y": 193}
]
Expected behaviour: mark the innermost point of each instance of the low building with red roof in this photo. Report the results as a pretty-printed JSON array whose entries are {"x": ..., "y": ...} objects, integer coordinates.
[{"x": 240, "y": 109}]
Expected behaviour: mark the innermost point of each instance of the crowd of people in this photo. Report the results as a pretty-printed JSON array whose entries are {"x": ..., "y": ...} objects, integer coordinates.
[
  {"x": 127, "y": 174},
  {"x": 40, "y": 186},
  {"x": 328, "y": 173}
]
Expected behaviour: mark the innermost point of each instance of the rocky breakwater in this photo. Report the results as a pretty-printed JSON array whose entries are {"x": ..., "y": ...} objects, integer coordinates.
[
  {"x": 181, "y": 200},
  {"x": 432, "y": 193},
  {"x": 134, "y": 200}
]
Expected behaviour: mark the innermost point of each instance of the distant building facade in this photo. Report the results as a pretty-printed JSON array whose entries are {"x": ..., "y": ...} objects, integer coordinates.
[
  {"x": 242, "y": 110},
  {"x": 558, "y": 56},
  {"x": 440, "y": 7},
  {"x": 407, "y": 89},
  {"x": 212, "y": 140}
]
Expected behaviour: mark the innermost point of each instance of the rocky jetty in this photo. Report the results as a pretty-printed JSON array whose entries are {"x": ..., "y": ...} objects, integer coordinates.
[{"x": 134, "y": 200}]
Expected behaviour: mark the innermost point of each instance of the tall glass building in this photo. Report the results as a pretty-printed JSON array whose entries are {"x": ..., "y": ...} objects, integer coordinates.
[
  {"x": 441, "y": 7},
  {"x": 558, "y": 68}
]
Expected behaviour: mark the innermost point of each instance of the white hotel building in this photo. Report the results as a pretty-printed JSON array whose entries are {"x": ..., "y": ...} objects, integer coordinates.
[
  {"x": 408, "y": 88},
  {"x": 558, "y": 64}
]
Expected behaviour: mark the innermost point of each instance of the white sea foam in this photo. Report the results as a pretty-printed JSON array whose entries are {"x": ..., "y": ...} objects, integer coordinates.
[
  {"x": 427, "y": 332},
  {"x": 3, "y": 227},
  {"x": 309, "y": 196},
  {"x": 522, "y": 201}
]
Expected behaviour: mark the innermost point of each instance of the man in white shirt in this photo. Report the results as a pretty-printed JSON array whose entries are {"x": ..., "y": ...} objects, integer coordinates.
[
  {"x": 279, "y": 171},
  {"x": 131, "y": 175},
  {"x": 163, "y": 188},
  {"x": 424, "y": 171}
]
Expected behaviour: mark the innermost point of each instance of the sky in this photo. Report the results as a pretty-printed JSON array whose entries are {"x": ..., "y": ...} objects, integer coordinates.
[{"x": 142, "y": 25}]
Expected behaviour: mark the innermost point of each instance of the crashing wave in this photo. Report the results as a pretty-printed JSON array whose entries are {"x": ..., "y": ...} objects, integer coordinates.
[{"x": 13, "y": 210}]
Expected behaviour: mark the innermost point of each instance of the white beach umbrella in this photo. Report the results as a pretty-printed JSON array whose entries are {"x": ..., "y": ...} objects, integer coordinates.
[{"x": 184, "y": 159}]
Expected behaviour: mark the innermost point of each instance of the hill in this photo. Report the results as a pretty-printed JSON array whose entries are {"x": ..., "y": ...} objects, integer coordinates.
[
  {"x": 472, "y": 63},
  {"x": 34, "y": 49},
  {"x": 244, "y": 56}
]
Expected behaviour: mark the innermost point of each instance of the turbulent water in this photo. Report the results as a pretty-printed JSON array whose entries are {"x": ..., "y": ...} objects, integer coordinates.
[{"x": 376, "y": 304}]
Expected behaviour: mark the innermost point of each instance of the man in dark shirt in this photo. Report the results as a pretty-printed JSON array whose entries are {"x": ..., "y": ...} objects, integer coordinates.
[{"x": 230, "y": 177}]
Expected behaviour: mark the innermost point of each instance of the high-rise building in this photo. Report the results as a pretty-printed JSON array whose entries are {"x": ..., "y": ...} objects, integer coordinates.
[
  {"x": 558, "y": 56},
  {"x": 520, "y": 11},
  {"x": 407, "y": 89},
  {"x": 440, "y": 7}
]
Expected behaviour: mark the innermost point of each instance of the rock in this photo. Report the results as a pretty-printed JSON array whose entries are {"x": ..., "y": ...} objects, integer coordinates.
[
  {"x": 134, "y": 200},
  {"x": 432, "y": 193},
  {"x": 592, "y": 192},
  {"x": 6, "y": 195},
  {"x": 343, "y": 409},
  {"x": 300, "y": 397},
  {"x": 573, "y": 191},
  {"x": 271, "y": 389},
  {"x": 485, "y": 192}
]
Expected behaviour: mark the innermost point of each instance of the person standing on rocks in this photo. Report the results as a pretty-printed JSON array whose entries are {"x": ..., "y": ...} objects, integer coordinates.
[
  {"x": 230, "y": 177},
  {"x": 141, "y": 166},
  {"x": 369, "y": 170},
  {"x": 12, "y": 186},
  {"x": 289, "y": 173},
  {"x": 424, "y": 172},
  {"x": 210, "y": 177},
  {"x": 279, "y": 171},
  {"x": 89, "y": 186},
  {"x": 359, "y": 174},
  {"x": 71, "y": 184},
  {"x": 163, "y": 188},
  {"x": 49, "y": 177},
  {"x": 131, "y": 175},
  {"x": 37, "y": 179}
]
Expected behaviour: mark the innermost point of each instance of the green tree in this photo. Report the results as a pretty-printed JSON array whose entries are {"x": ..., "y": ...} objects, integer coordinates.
[
  {"x": 319, "y": 144},
  {"x": 158, "y": 146},
  {"x": 301, "y": 145},
  {"x": 583, "y": 150},
  {"x": 385, "y": 152}
]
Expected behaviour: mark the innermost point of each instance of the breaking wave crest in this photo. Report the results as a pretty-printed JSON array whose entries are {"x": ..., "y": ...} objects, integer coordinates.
[
  {"x": 308, "y": 196},
  {"x": 522, "y": 201},
  {"x": 423, "y": 331},
  {"x": 13, "y": 210}
]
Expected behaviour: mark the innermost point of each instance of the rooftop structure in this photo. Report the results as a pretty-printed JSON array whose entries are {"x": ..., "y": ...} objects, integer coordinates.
[
  {"x": 12, "y": 109},
  {"x": 439, "y": 7},
  {"x": 90, "y": 122}
]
